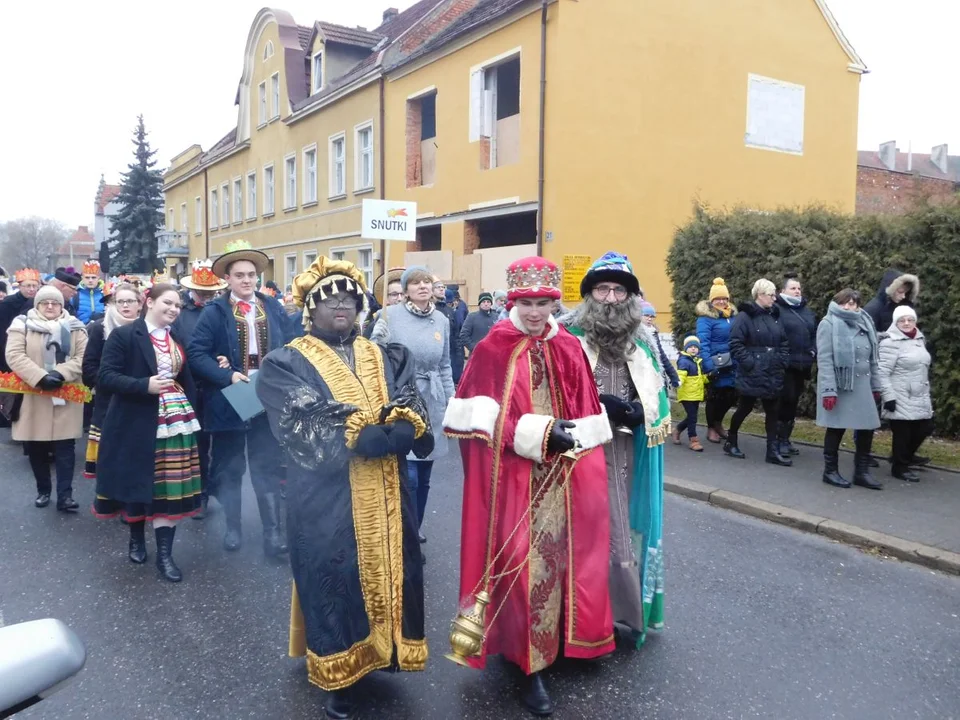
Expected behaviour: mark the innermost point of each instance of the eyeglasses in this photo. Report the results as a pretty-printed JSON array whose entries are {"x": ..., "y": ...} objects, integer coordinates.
[
  {"x": 335, "y": 302},
  {"x": 128, "y": 302},
  {"x": 601, "y": 292},
  {"x": 50, "y": 303}
]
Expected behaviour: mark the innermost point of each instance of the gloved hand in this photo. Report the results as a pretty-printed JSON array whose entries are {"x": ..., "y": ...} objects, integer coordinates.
[
  {"x": 634, "y": 417},
  {"x": 616, "y": 408},
  {"x": 50, "y": 382},
  {"x": 400, "y": 437},
  {"x": 876, "y": 397},
  {"x": 372, "y": 442},
  {"x": 890, "y": 406},
  {"x": 713, "y": 374},
  {"x": 675, "y": 383},
  {"x": 56, "y": 374},
  {"x": 829, "y": 403},
  {"x": 560, "y": 440}
]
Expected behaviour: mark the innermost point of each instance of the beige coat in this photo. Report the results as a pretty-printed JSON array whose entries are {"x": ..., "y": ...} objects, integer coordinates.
[{"x": 40, "y": 419}]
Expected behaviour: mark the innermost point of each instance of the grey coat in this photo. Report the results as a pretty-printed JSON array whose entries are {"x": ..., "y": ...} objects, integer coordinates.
[
  {"x": 905, "y": 375},
  {"x": 856, "y": 409},
  {"x": 476, "y": 327},
  {"x": 428, "y": 340}
]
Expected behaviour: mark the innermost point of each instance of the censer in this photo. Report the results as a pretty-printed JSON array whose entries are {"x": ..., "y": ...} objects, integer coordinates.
[{"x": 469, "y": 627}]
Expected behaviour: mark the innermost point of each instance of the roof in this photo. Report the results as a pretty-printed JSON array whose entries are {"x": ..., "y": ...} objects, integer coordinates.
[
  {"x": 304, "y": 34},
  {"x": 857, "y": 64},
  {"x": 920, "y": 165},
  {"x": 349, "y": 36},
  {"x": 80, "y": 240},
  {"x": 227, "y": 142},
  {"x": 105, "y": 195}
]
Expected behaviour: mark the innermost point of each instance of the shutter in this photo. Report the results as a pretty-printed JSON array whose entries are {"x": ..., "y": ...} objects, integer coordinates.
[{"x": 476, "y": 104}]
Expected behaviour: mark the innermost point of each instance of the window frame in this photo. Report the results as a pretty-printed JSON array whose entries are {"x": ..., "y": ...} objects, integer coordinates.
[
  {"x": 307, "y": 197},
  {"x": 336, "y": 192},
  {"x": 314, "y": 254},
  {"x": 316, "y": 87},
  {"x": 275, "y": 96},
  {"x": 287, "y": 276},
  {"x": 184, "y": 220},
  {"x": 268, "y": 50},
  {"x": 213, "y": 211},
  {"x": 225, "y": 208},
  {"x": 262, "y": 107},
  {"x": 198, "y": 214},
  {"x": 251, "y": 196},
  {"x": 358, "y": 158},
  {"x": 237, "y": 200},
  {"x": 288, "y": 202},
  {"x": 366, "y": 270},
  {"x": 272, "y": 188}
]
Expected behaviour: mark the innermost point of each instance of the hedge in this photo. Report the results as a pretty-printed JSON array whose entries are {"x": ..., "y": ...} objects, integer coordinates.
[{"x": 831, "y": 251}]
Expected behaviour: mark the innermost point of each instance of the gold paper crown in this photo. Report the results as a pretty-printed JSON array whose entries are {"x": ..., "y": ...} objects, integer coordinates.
[
  {"x": 321, "y": 277},
  {"x": 239, "y": 244},
  {"x": 90, "y": 267},
  {"x": 25, "y": 274}
]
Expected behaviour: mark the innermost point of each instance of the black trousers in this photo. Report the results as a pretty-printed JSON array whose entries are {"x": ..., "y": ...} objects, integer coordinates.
[
  {"x": 863, "y": 440},
  {"x": 908, "y": 436},
  {"x": 719, "y": 402},
  {"x": 64, "y": 459},
  {"x": 794, "y": 381},
  {"x": 745, "y": 407},
  {"x": 689, "y": 423},
  {"x": 233, "y": 452}
]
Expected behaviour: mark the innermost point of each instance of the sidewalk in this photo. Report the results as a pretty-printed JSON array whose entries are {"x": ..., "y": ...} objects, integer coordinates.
[{"x": 927, "y": 513}]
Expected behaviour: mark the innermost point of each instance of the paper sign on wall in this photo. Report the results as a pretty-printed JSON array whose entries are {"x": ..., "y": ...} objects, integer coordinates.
[
  {"x": 389, "y": 220},
  {"x": 574, "y": 268}
]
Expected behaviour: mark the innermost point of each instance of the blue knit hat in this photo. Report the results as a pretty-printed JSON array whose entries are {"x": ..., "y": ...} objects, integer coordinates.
[
  {"x": 612, "y": 267},
  {"x": 691, "y": 340},
  {"x": 405, "y": 277},
  {"x": 648, "y": 309}
]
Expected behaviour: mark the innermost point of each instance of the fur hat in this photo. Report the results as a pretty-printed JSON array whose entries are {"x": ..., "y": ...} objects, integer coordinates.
[
  {"x": 719, "y": 289},
  {"x": 612, "y": 267},
  {"x": 47, "y": 292},
  {"x": 902, "y": 311},
  {"x": 68, "y": 275}
]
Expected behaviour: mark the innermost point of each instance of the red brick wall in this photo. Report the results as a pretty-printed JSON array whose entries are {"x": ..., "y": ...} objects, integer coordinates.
[
  {"x": 471, "y": 237},
  {"x": 431, "y": 26},
  {"x": 882, "y": 192}
]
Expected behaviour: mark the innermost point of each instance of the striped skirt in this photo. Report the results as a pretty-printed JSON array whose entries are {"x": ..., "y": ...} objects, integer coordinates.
[
  {"x": 176, "y": 479},
  {"x": 93, "y": 449}
]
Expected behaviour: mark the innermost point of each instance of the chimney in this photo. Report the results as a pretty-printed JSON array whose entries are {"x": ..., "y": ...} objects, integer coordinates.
[
  {"x": 84, "y": 230},
  {"x": 938, "y": 156},
  {"x": 888, "y": 155},
  {"x": 389, "y": 14}
]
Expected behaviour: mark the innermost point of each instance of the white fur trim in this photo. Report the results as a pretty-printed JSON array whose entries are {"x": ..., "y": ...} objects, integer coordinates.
[
  {"x": 529, "y": 435},
  {"x": 592, "y": 431},
  {"x": 476, "y": 414},
  {"x": 551, "y": 323}
]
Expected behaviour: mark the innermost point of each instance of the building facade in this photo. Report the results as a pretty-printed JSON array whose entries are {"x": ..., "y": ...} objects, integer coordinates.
[
  {"x": 105, "y": 207},
  {"x": 890, "y": 182}
]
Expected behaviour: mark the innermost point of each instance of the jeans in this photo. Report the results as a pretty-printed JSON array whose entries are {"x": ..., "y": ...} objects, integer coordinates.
[
  {"x": 232, "y": 451},
  {"x": 63, "y": 458},
  {"x": 719, "y": 402},
  {"x": 418, "y": 483},
  {"x": 908, "y": 436},
  {"x": 689, "y": 423},
  {"x": 745, "y": 407},
  {"x": 794, "y": 381}
]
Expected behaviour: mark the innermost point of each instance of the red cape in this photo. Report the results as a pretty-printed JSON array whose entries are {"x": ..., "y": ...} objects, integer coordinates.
[{"x": 501, "y": 441}]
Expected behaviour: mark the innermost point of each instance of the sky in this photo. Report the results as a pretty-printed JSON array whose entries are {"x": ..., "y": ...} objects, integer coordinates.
[{"x": 83, "y": 72}]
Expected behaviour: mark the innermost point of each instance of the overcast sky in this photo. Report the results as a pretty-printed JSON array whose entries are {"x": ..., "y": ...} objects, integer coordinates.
[{"x": 79, "y": 73}]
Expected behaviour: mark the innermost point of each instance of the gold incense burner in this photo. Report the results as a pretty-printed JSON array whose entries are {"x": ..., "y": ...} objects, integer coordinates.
[{"x": 466, "y": 631}]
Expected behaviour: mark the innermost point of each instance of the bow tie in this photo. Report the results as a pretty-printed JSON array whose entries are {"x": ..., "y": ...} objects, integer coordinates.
[{"x": 244, "y": 306}]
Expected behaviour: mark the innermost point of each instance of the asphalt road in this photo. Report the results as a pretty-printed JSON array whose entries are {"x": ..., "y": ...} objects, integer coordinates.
[{"x": 762, "y": 622}]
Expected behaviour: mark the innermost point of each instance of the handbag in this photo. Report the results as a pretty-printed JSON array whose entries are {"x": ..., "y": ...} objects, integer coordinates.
[{"x": 722, "y": 361}]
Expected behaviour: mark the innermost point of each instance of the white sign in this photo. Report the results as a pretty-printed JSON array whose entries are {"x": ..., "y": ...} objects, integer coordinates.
[
  {"x": 389, "y": 220},
  {"x": 774, "y": 114}
]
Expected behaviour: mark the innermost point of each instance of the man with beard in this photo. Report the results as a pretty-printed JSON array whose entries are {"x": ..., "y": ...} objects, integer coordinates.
[
  {"x": 627, "y": 370},
  {"x": 535, "y": 509},
  {"x": 346, "y": 411}
]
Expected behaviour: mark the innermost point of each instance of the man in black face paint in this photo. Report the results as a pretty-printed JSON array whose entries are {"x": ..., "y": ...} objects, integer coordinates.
[{"x": 346, "y": 412}]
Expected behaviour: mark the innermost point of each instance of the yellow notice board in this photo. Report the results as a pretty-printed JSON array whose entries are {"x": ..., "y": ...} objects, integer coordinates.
[{"x": 574, "y": 268}]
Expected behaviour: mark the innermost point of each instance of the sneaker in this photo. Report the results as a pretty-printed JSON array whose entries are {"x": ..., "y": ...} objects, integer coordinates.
[{"x": 695, "y": 444}]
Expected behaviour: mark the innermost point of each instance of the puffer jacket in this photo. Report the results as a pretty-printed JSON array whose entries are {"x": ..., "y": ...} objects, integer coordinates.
[
  {"x": 881, "y": 308},
  {"x": 759, "y": 344},
  {"x": 693, "y": 380},
  {"x": 905, "y": 375},
  {"x": 713, "y": 330}
]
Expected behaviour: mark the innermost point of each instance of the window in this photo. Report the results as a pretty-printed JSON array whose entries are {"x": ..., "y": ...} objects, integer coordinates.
[
  {"x": 363, "y": 157},
  {"x": 316, "y": 74},
  {"x": 170, "y": 220},
  {"x": 495, "y": 112},
  {"x": 289, "y": 182},
  {"x": 251, "y": 195},
  {"x": 224, "y": 205},
  {"x": 310, "y": 175},
  {"x": 268, "y": 189},
  {"x": 268, "y": 50},
  {"x": 290, "y": 270},
  {"x": 214, "y": 213},
  {"x": 422, "y": 139},
  {"x": 198, "y": 211},
  {"x": 365, "y": 265},
  {"x": 338, "y": 180},
  {"x": 262, "y": 117},
  {"x": 184, "y": 227},
  {"x": 275, "y": 96},
  {"x": 237, "y": 200},
  {"x": 338, "y": 255},
  {"x": 309, "y": 258}
]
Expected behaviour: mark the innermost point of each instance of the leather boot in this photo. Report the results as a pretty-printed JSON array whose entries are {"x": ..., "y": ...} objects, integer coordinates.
[
  {"x": 203, "y": 509},
  {"x": 862, "y": 476},
  {"x": 787, "y": 447},
  {"x": 730, "y": 447},
  {"x": 138, "y": 543},
  {"x": 340, "y": 705},
  {"x": 233, "y": 537},
  {"x": 273, "y": 542},
  {"x": 535, "y": 696},
  {"x": 831, "y": 470},
  {"x": 66, "y": 503},
  {"x": 773, "y": 454},
  {"x": 43, "y": 499},
  {"x": 905, "y": 473},
  {"x": 165, "y": 564},
  {"x": 718, "y": 428}
]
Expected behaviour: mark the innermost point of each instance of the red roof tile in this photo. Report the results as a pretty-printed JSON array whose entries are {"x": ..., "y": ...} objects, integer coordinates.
[
  {"x": 81, "y": 240},
  {"x": 106, "y": 194}
]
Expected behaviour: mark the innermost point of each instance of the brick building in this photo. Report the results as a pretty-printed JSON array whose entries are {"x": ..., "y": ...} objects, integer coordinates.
[{"x": 890, "y": 182}]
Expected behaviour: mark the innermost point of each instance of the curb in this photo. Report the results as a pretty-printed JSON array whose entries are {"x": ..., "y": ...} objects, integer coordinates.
[{"x": 906, "y": 550}]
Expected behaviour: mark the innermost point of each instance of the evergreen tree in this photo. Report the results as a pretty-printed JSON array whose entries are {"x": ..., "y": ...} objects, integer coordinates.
[{"x": 134, "y": 249}]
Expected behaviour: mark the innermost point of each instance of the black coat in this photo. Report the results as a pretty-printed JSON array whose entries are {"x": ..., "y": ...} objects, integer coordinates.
[
  {"x": 125, "y": 465},
  {"x": 759, "y": 345},
  {"x": 91, "y": 371},
  {"x": 10, "y": 307},
  {"x": 800, "y": 325},
  {"x": 881, "y": 308}
]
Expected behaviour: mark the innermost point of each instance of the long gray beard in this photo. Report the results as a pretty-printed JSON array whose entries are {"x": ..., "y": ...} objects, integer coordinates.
[{"x": 611, "y": 328}]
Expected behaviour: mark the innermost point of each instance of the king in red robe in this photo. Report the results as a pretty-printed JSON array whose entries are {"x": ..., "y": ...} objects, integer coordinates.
[{"x": 536, "y": 526}]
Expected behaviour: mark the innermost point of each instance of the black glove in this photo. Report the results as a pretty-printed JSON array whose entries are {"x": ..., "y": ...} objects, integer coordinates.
[
  {"x": 50, "y": 382},
  {"x": 400, "y": 437},
  {"x": 616, "y": 408},
  {"x": 713, "y": 374},
  {"x": 57, "y": 375},
  {"x": 372, "y": 442},
  {"x": 560, "y": 440},
  {"x": 634, "y": 417},
  {"x": 890, "y": 406}
]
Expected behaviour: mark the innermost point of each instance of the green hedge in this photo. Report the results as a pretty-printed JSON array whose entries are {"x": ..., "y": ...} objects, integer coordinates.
[{"x": 831, "y": 251}]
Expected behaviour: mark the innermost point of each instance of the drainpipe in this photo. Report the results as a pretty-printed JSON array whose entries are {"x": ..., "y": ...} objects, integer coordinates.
[
  {"x": 543, "y": 101},
  {"x": 383, "y": 184}
]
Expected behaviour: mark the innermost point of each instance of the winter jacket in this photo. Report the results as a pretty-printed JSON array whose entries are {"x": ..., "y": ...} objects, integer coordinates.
[
  {"x": 800, "y": 325},
  {"x": 476, "y": 327},
  {"x": 713, "y": 330},
  {"x": 693, "y": 380},
  {"x": 881, "y": 308},
  {"x": 855, "y": 409},
  {"x": 759, "y": 344},
  {"x": 670, "y": 377},
  {"x": 905, "y": 375},
  {"x": 10, "y": 307},
  {"x": 87, "y": 304}
]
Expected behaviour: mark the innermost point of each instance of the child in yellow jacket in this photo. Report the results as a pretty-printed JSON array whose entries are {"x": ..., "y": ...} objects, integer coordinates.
[{"x": 693, "y": 381}]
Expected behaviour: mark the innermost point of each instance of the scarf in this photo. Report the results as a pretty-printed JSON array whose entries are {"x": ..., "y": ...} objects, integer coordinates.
[
  {"x": 55, "y": 341},
  {"x": 724, "y": 312},
  {"x": 846, "y": 325},
  {"x": 421, "y": 313},
  {"x": 112, "y": 319},
  {"x": 791, "y": 300}
]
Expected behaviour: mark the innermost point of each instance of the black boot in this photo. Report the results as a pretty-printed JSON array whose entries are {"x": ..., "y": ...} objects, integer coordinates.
[
  {"x": 862, "y": 476},
  {"x": 43, "y": 499},
  {"x": 786, "y": 447},
  {"x": 138, "y": 543},
  {"x": 730, "y": 446},
  {"x": 773, "y": 454},
  {"x": 905, "y": 473},
  {"x": 66, "y": 503},
  {"x": 273, "y": 542},
  {"x": 535, "y": 696},
  {"x": 203, "y": 509},
  {"x": 831, "y": 469},
  {"x": 165, "y": 564},
  {"x": 233, "y": 537},
  {"x": 340, "y": 705}
]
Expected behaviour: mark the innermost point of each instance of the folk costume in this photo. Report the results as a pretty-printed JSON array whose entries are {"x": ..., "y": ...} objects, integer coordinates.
[
  {"x": 634, "y": 394},
  {"x": 554, "y": 525},
  {"x": 357, "y": 601}
]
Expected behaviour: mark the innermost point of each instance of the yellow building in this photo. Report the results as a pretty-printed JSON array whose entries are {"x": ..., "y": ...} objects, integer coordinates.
[{"x": 647, "y": 106}]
